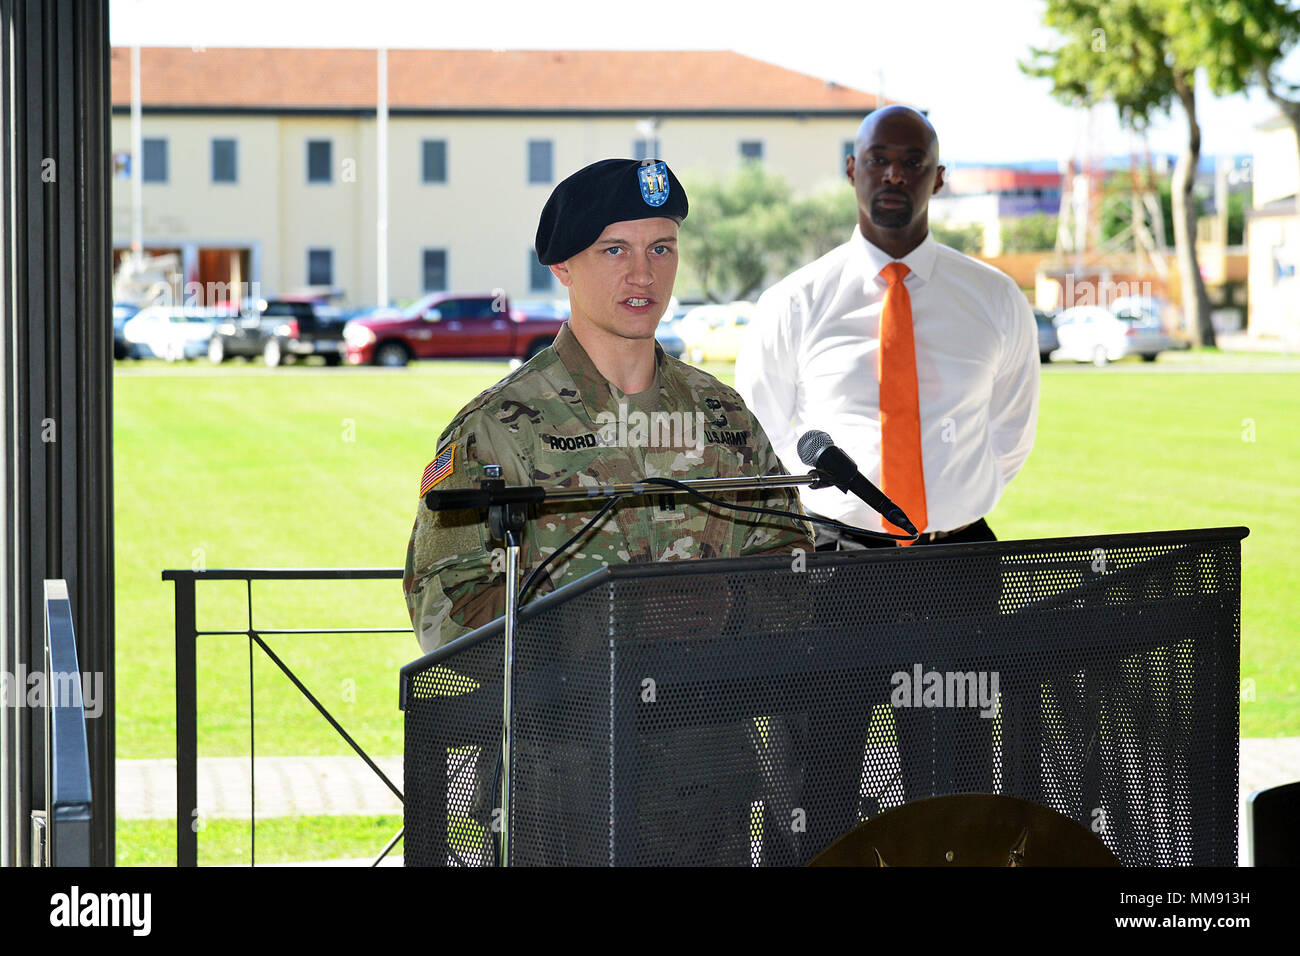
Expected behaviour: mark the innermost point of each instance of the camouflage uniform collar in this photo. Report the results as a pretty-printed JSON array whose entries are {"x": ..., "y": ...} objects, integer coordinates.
[{"x": 598, "y": 393}]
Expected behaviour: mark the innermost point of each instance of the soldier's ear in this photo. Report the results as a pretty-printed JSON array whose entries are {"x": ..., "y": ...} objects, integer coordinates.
[{"x": 561, "y": 271}]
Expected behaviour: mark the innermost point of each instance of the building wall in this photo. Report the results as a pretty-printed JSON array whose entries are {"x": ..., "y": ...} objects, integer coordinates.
[
  {"x": 1273, "y": 240},
  {"x": 1274, "y": 281},
  {"x": 191, "y": 209},
  {"x": 1275, "y": 163},
  {"x": 484, "y": 215}
]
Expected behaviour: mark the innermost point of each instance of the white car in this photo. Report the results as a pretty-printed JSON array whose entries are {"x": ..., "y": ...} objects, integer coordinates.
[
  {"x": 1091, "y": 333},
  {"x": 173, "y": 333}
]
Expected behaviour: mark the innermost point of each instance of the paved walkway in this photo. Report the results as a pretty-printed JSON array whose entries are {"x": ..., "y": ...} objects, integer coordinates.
[
  {"x": 344, "y": 786},
  {"x": 286, "y": 786},
  {"x": 1242, "y": 342}
]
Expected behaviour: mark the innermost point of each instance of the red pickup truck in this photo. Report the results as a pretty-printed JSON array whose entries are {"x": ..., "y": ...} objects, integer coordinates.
[{"x": 448, "y": 325}]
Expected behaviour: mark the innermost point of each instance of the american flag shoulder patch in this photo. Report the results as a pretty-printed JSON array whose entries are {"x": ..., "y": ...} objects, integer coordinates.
[{"x": 437, "y": 469}]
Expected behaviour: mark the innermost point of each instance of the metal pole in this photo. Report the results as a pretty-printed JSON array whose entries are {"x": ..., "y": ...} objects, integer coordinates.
[
  {"x": 137, "y": 161},
  {"x": 381, "y": 178},
  {"x": 187, "y": 724},
  {"x": 507, "y": 672},
  {"x": 56, "y": 372},
  {"x": 633, "y": 488}
]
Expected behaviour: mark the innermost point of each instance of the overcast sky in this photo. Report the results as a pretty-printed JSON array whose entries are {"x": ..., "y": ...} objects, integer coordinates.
[{"x": 955, "y": 59}]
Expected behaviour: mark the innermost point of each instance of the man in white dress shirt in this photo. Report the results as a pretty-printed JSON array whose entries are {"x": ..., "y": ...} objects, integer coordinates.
[
  {"x": 810, "y": 357},
  {"x": 811, "y": 361}
]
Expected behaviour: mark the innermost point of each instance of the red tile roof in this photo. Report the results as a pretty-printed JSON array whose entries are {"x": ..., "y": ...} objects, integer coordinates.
[{"x": 588, "y": 80}]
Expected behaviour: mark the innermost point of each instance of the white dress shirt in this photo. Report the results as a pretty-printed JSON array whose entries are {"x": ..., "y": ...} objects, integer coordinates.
[{"x": 809, "y": 361}]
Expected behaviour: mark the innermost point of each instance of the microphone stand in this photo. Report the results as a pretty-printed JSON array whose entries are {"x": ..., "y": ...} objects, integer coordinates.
[{"x": 507, "y": 515}]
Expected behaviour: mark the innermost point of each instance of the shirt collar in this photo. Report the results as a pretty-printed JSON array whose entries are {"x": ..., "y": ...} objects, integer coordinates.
[
  {"x": 596, "y": 392},
  {"x": 920, "y": 261}
]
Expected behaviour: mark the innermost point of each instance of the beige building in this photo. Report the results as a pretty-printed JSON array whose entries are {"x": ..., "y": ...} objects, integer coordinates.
[
  {"x": 1273, "y": 236},
  {"x": 260, "y": 165}
]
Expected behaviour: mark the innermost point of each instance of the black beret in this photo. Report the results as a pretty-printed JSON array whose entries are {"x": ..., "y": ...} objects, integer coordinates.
[{"x": 612, "y": 190}]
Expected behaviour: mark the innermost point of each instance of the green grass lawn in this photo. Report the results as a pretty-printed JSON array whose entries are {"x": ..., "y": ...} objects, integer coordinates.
[
  {"x": 278, "y": 840},
  {"x": 247, "y": 467}
]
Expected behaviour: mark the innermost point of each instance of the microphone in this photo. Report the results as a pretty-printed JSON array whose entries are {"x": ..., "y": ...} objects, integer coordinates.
[{"x": 816, "y": 450}]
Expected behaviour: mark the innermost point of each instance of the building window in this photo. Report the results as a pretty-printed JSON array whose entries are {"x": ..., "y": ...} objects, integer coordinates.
[
  {"x": 319, "y": 161},
  {"x": 155, "y": 161},
  {"x": 846, "y": 149},
  {"x": 320, "y": 267},
  {"x": 540, "y": 277},
  {"x": 224, "y": 169},
  {"x": 433, "y": 161},
  {"x": 751, "y": 149},
  {"x": 435, "y": 270},
  {"x": 541, "y": 161},
  {"x": 646, "y": 148}
]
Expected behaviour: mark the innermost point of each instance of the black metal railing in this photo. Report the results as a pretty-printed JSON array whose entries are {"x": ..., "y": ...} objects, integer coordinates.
[
  {"x": 61, "y": 831},
  {"x": 187, "y": 635}
]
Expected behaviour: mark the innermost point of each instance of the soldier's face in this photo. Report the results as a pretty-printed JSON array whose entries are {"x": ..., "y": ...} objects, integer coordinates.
[{"x": 622, "y": 282}]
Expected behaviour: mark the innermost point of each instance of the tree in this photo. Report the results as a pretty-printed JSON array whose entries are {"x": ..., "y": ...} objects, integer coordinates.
[
  {"x": 1248, "y": 40},
  {"x": 1144, "y": 55},
  {"x": 1032, "y": 233},
  {"x": 968, "y": 239},
  {"x": 739, "y": 229},
  {"x": 1116, "y": 216},
  {"x": 826, "y": 219}
]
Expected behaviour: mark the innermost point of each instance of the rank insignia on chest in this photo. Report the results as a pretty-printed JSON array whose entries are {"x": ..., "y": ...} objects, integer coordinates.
[
  {"x": 666, "y": 509},
  {"x": 437, "y": 469},
  {"x": 653, "y": 178}
]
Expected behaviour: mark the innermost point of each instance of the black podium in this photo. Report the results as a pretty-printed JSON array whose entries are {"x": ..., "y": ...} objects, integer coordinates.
[{"x": 750, "y": 711}]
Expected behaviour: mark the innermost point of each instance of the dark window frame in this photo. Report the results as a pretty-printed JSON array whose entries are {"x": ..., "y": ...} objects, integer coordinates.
[
  {"x": 327, "y": 177},
  {"x": 535, "y": 273},
  {"x": 534, "y": 172},
  {"x": 157, "y": 142},
  {"x": 234, "y": 159},
  {"x": 313, "y": 251},
  {"x": 445, "y": 267},
  {"x": 647, "y": 148},
  {"x": 426, "y": 174}
]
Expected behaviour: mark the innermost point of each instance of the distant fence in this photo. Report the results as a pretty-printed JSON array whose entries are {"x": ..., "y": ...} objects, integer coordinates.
[
  {"x": 61, "y": 831},
  {"x": 187, "y": 635}
]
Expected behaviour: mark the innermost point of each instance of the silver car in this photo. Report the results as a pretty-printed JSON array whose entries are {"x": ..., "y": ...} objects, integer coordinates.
[{"x": 1091, "y": 333}]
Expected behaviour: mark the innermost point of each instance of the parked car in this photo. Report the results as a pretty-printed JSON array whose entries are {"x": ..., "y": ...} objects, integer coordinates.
[
  {"x": 281, "y": 330},
  {"x": 1151, "y": 311},
  {"x": 122, "y": 349},
  {"x": 715, "y": 333},
  {"x": 1091, "y": 333},
  {"x": 668, "y": 339},
  {"x": 448, "y": 325},
  {"x": 544, "y": 308},
  {"x": 722, "y": 340},
  {"x": 1047, "y": 340},
  {"x": 173, "y": 333},
  {"x": 665, "y": 335},
  {"x": 700, "y": 320},
  {"x": 677, "y": 309}
]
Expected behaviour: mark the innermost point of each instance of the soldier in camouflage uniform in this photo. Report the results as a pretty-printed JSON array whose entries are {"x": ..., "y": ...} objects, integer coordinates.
[
  {"x": 559, "y": 422},
  {"x": 605, "y": 405}
]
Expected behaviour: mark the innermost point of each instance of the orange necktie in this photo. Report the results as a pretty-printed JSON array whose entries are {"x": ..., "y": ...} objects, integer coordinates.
[{"x": 902, "y": 476}]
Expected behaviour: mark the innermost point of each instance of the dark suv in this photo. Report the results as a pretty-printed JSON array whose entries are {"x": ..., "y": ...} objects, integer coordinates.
[{"x": 280, "y": 330}]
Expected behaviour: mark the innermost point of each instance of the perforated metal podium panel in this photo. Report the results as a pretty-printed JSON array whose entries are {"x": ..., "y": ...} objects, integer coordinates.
[{"x": 751, "y": 711}]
